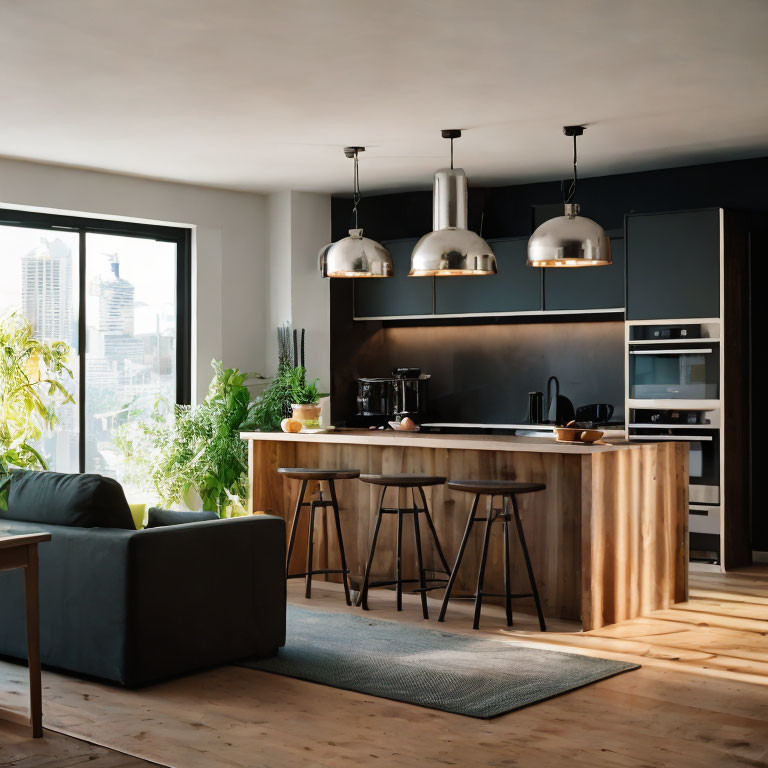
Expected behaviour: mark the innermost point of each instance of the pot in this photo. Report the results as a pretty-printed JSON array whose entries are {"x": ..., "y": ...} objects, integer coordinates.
[{"x": 308, "y": 414}]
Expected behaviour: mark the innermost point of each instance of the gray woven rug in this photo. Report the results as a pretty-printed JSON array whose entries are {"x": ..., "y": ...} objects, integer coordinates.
[{"x": 462, "y": 674}]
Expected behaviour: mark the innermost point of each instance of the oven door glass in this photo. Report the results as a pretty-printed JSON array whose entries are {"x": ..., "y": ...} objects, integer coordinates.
[
  {"x": 664, "y": 372},
  {"x": 703, "y": 458}
]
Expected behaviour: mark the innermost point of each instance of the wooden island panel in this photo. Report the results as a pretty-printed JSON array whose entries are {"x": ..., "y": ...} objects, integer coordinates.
[{"x": 607, "y": 538}]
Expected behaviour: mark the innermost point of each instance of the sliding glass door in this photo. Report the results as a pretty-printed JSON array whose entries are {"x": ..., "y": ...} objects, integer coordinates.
[{"x": 120, "y": 293}]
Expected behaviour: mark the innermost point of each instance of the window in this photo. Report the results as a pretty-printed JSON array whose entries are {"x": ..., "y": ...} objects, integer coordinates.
[{"x": 119, "y": 294}]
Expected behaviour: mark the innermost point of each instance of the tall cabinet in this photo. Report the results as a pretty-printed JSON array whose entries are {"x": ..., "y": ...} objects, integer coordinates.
[{"x": 687, "y": 363}]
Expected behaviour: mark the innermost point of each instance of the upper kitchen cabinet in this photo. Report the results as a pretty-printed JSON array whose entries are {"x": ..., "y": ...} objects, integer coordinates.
[
  {"x": 516, "y": 287},
  {"x": 398, "y": 296},
  {"x": 673, "y": 265},
  {"x": 588, "y": 288}
]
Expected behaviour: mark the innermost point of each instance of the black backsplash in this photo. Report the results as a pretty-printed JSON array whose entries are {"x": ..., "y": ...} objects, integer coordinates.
[{"x": 482, "y": 371}]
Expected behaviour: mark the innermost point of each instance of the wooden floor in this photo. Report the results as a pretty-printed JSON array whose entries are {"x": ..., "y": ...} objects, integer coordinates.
[{"x": 700, "y": 699}]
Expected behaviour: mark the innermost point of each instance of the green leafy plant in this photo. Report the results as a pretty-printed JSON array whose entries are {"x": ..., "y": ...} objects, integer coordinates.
[
  {"x": 289, "y": 385},
  {"x": 301, "y": 392},
  {"x": 193, "y": 447},
  {"x": 32, "y": 373}
]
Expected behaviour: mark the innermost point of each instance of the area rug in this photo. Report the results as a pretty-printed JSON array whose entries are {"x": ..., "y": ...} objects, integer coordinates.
[{"x": 473, "y": 676}]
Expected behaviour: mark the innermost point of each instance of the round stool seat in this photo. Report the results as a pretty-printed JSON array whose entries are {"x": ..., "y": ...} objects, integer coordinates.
[
  {"x": 404, "y": 480},
  {"x": 305, "y": 473},
  {"x": 494, "y": 487}
]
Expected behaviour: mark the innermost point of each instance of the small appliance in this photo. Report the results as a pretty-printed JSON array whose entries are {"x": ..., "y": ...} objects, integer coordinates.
[{"x": 404, "y": 393}]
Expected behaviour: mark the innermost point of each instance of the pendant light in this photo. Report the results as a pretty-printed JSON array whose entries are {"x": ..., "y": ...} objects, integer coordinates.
[
  {"x": 451, "y": 249},
  {"x": 355, "y": 256},
  {"x": 570, "y": 240}
]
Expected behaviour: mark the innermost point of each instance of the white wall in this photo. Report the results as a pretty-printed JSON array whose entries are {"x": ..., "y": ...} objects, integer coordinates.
[
  {"x": 299, "y": 225},
  {"x": 230, "y": 296}
]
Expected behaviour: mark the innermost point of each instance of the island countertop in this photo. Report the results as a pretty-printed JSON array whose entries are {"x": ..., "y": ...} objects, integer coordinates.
[
  {"x": 608, "y": 535},
  {"x": 391, "y": 438}
]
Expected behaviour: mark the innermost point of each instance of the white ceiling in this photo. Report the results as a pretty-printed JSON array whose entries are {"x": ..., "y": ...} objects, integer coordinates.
[{"x": 262, "y": 94}]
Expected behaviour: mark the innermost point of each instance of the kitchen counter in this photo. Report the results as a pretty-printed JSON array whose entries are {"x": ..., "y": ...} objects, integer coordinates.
[
  {"x": 389, "y": 437},
  {"x": 608, "y": 537}
]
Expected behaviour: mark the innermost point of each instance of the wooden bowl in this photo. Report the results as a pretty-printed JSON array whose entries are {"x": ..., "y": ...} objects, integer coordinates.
[
  {"x": 577, "y": 435},
  {"x": 590, "y": 435}
]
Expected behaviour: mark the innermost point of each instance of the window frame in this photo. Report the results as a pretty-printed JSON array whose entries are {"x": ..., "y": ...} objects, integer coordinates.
[{"x": 83, "y": 225}]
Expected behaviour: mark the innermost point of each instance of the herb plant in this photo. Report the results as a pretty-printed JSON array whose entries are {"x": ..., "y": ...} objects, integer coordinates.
[{"x": 289, "y": 385}]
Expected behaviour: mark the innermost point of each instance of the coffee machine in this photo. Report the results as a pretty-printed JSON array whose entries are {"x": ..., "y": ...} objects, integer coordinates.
[{"x": 404, "y": 393}]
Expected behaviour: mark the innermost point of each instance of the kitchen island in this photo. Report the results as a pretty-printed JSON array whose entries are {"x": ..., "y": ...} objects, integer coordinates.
[{"x": 608, "y": 537}]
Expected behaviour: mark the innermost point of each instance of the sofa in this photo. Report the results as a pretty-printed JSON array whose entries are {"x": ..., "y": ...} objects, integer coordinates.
[{"x": 136, "y": 606}]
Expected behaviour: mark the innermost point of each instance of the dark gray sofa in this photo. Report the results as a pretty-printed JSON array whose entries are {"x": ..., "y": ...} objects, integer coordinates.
[{"x": 134, "y": 607}]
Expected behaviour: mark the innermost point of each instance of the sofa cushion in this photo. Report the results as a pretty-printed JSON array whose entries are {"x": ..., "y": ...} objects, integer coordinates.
[
  {"x": 84, "y": 501},
  {"x": 159, "y": 517}
]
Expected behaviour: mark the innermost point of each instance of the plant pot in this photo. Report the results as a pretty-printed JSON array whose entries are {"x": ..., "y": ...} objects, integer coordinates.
[{"x": 308, "y": 415}]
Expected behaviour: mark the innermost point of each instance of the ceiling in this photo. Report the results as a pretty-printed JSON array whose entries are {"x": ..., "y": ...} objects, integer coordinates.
[{"x": 262, "y": 94}]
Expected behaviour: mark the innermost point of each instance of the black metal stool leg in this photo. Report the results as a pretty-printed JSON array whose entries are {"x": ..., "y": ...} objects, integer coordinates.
[
  {"x": 295, "y": 525},
  {"x": 431, "y": 525},
  {"x": 534, "y": 589},
  {"x": 483, "y": 561},
  {"x": 459, "y": 556},
  {"x": 507, "y": 580},
  {"x": 310, "y": 547},
  {"x": 399, "y": 560},
  {"x": 419, "y": 558},
  {"x": 345, "y": 575},
  {"x": 367, "y": 577}
]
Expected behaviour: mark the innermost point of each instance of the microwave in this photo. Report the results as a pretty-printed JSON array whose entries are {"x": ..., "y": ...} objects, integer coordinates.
[{"x": 688, "y": 371}]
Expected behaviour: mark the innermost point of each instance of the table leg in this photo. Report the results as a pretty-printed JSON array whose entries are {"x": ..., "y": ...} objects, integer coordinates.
[{"x": 31, "y": 588}]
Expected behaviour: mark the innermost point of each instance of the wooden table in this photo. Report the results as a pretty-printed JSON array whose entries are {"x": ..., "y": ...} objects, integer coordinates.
[
  {"x": 608, "y": 537},
  {"x": 21, "y": 552}
]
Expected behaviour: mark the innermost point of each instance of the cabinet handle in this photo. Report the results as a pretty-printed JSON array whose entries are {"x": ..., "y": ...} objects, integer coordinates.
[
  {"x": 665, "y": 438},
  {"x": 670, "y": 351}
]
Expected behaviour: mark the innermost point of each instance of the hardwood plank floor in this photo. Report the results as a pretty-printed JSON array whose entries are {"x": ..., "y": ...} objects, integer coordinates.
[
  {"x": 18, "y": 750},
  {"x": 700, "y": 699}
]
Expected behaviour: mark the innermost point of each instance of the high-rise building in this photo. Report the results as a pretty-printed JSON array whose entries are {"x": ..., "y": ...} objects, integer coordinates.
[
  {"x": 116, "y": 300},
  {"x": 46, "y": 291}
]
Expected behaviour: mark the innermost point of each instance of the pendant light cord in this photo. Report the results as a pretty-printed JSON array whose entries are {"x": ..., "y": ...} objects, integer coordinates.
[
  {"x": 451, "y": 152},
  {"x": 356, "y": 190},
  {"x": 572, "y": 189}
]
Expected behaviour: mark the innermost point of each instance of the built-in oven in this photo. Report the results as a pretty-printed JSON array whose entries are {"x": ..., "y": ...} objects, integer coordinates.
[
  {"x": 678, "y": 371},
  {"x": 704, "y": 455}
]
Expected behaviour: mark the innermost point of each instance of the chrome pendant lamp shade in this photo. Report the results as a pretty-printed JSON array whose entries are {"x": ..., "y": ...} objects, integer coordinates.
[
  {"x": 355, "y": 256},
  {"x": 451, "y": 249},
  {"x": 570, "y": 240}
]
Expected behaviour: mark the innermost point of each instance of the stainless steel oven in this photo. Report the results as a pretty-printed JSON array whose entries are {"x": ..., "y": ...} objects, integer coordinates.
[
  {"x": 684, "y": 371},
  {"x": 703, "y": 460}
]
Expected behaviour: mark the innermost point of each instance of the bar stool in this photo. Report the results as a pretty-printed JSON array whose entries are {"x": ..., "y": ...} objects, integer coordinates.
[
  {"x": 415, "y": 483},
  {"x": 509, "y": 491},
  {"x": 321, "y": 475}
]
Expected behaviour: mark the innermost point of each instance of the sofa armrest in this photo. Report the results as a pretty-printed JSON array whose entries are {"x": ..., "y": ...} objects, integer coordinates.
[
  {"x": 204, "y": 593},
  {"x": 83, "y": 600}
]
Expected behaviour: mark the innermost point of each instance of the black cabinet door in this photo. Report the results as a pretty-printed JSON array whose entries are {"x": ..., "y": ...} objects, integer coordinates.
[
  {"x": 673, "y": 265},
  {"x": 584, "y": 288},
  {"x": 397, "y": 296},
  {"x": 516, "y": 287}
]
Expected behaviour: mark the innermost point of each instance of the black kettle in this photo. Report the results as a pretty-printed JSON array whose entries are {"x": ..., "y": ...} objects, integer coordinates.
[{"x": 559, "y": 408}]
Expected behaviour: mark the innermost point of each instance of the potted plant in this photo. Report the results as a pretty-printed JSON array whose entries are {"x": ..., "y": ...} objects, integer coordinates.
[
  {"x": 184, "y": 449},
  {"x": 288, "y": 394},
  {"x": 305, "y": 398}
]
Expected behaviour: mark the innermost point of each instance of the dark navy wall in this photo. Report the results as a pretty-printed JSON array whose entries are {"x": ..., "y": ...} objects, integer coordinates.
[
  {"x": 488, "y": 378},
  {"x": 506, "y": 211}
]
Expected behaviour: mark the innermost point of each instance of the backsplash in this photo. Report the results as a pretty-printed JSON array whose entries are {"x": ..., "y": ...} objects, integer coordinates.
[{"x": 483, "y": 373}]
